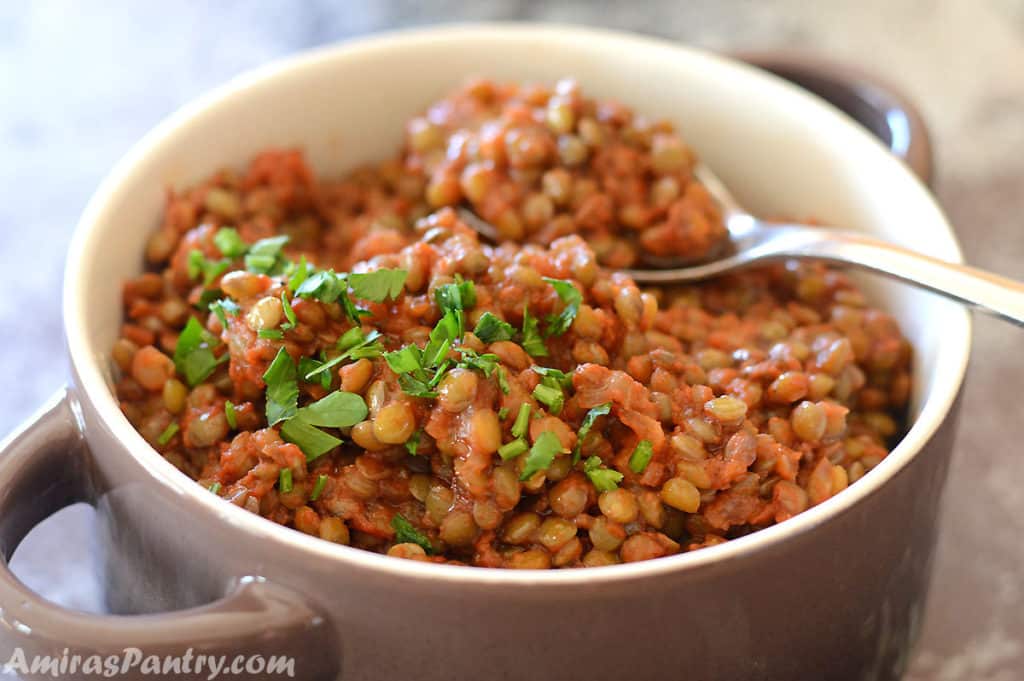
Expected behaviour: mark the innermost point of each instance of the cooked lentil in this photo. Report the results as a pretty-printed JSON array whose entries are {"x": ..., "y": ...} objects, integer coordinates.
[{"x": 521, "y": 405}]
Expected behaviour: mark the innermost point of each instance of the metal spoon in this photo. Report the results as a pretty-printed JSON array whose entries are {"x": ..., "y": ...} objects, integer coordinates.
[{"x": 754, "y": 241}]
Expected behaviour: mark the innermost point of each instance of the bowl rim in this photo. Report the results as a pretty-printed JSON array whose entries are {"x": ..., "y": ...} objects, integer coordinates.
[{"x": 92, "y": 387}]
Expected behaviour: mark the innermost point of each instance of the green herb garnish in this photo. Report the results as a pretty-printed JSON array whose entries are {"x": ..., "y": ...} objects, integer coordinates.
[
  {"x": 284, "y": 481},
  {"x": 289, "y": 314},
  {"x": 412, "y": 445},
  {"x": 298, "y": 274},
  {"x": 282, "y": 389},
  {"x": 271, "y": 334},
  {"x": 313, "y": 442},
  {"x": 542, "y": 453},
  {"x": 491, "y": 329},
  {"x": 405, "y": 533},
  {"x": 571, "y": 296},
  {"x": 169, "y": 432},
  {"x": 511, "y": 450},
  {"x": 264, "y": 256},
  {"x": 318, "y": 487},
  {"x": 522, "y": 421},
  {"x": 230, "y": 414},
  {"x": 355, "y": 346},
  {"x": 532, "y": 342},
  {"x": 193, "y": 355},
  {"x": 379, "y": 285},
  {"x": 588, "y": 423},
  {"x": 641, "y": 456},
  {"x": 550, "y": 396},
  {"x": 603, "y": 479},
  {"x": 229, "y": 242},
  {"x": 199, "y": 264},
  {"x": 224, "y": 307},
  {"x": 215, "y": 488},
  {"x": 337, "y": 410}
]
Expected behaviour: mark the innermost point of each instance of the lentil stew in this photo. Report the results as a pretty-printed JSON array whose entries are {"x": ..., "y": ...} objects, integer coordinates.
[{"x": 344, "y": 357}]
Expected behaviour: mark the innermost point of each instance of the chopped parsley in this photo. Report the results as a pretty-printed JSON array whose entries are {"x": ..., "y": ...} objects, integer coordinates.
[
  {"x": 284, "y": 481},
  {"x": 337, "y": 410},
  {"x": 193, "y": 355},
  {"x": 455, "y": 298},
  {"x": 229, "y": 242},
  {"x": 571, "y": 296},
  {"x": 215, "y": 488},
  {"x": 603, "y": 479},
  {"x": 543, "y": 452},
  {"x": 405, "y": 533},
  {"x": 318, "y": 487},
  {"x": 326, "y": 286},
  {"x": 379, "y": 285},
  {"x": 298, "y": 274},
  {"x": 272, "y": 334},
  {"x": 282, "y": 389},
  {"x": 412, "y": 445},
  {"x": 310, "y": 367},
  {"x": 355, "y": 345},
  {"x": 588, "y": 423},
  {"x": 264, "y": 256},
  {"x": 313, "y": 442},
  {"x": 199, "y": 264},
  {"x": 522, "y": 421},
  {"x": 503, "y": 413},
  {"x": 230, "y": 414},
  {"x": 289, "y": 314},
  {"x": 641, "y": 456},
  {"x": 532, "y": 341},
  {"x": 550, "y": 396},
  {"x": 511, "y": 450},
  {"x": 169, "y": 432},
  {"x": 224, "y": 307},
  {"x": 554, "y": 377},
  {"x": 491, "y": 329}
]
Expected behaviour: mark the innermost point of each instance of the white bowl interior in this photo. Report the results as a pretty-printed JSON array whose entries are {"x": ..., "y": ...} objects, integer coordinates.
[{"x": 782, "y": 151}]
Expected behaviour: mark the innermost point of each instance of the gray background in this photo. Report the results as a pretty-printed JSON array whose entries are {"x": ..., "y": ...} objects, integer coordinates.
[{"x": 80, "y": 82}]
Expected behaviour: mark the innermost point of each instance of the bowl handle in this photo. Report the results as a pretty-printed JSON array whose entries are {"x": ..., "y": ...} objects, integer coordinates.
[
  {"x": 872, "y": 102},
  {"x": 44, "y": 466}
]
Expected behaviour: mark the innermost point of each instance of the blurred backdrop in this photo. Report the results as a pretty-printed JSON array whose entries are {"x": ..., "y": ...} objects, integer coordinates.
[{"x": 81, "y": 82}]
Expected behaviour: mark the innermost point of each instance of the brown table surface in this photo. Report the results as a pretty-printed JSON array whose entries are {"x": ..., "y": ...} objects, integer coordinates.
[{"x": 80, "y": 82}]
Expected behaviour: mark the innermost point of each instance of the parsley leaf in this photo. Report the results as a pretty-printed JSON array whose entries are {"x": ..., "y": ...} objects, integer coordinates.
[
  {"x": 325, "y": 285},
  {"x": 337, "y": 410},
  {"x": 289, "y": 313},
  {"x": 406, "y": 360},
  {"x": 282, "y": 389},
  {"x": 264, "y": 256},
  {"x": 379, "y": 285},
  {"x": 309, "y": 367},
  {"x": 313, "y": 442},
  {"x": 412, "y": 445},
  {"x": 416, "y": 387},
  {"x": 224, "y": 307},
  {"x": 455, "y": 299},
  {"x": 588, "y": 423},
  {"x": 554, "y": 377},
  {"x": 532, "y": 341},
  {"x": 543, "y": 452},
  {"x": 193, "y": 355},
  {"x": 571, "y": 296},
  {"x": 490, "y": 328},
  {"x": 298, "y": 274},
  {"x": 486, "y": 363},
  {"x": 405, "y": 533},
  {"x": 210, "y": 269},
  {"x": 603, "y": 479},
  {"x": 641, "y": 456},
  {"x": 229, "y": 242}
]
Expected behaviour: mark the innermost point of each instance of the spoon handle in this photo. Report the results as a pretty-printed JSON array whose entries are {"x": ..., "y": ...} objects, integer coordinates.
[{"x": 989, "y": 292}]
